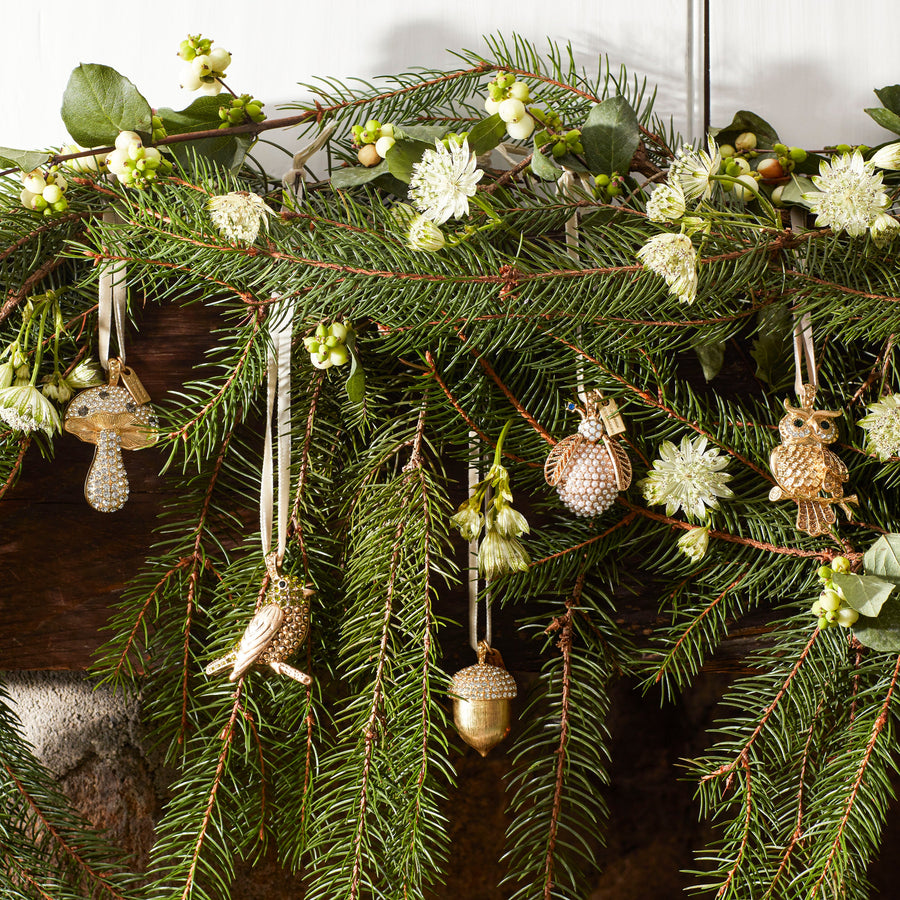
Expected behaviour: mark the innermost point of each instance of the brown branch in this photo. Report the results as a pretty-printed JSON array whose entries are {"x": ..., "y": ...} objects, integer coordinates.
[
  {"x": 748, "y": 807},
  {"x": 50, "y": 265},
  {"x": 877, "y": 728},
  {"x": 627, "y": 519},
  {"x": 24, "y": 444},
  {"x": 887, "y": 298},
  {"x": 54, "y": 223},
  {"x": 296, "y": 524}
]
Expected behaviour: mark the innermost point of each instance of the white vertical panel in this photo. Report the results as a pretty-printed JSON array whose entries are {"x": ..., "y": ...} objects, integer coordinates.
[
  {"x": 806, "y": 66},
  {"x": 276, "y": 45}
]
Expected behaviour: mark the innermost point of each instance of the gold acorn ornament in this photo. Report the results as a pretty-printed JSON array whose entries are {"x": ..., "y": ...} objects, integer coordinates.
[
  {"x": 589, "y": 469},
  {"x": 114, "y": 418},
  {"x": 276, "y": 631},
  {"x": 803, "y": 466},
  {"x": 481, "y": 696}
]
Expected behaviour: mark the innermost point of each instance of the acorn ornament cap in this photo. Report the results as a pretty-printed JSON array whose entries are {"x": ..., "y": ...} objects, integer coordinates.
[
  {"x": 589, "y": 469},
  {"x": 481, "y": 701}
]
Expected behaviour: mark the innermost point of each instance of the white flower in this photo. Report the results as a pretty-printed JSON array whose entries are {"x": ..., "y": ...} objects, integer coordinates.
[
  {"x": 850, "y": 197},
  {"x": 238, "y": 215},
  {"x": 423, "y": 234},
  {"x": 666, "y": 203},
  {"x": 510, "y": 522},
  {"x": 693, "y": 543},
  {"x": 883, "y": 427},
  {"x": 25, "y": 408},
  {"x": 500, "y": 554},
  {"x": 7, "y": 373},
  {"x": 443, "y": 180},
  {"x": 86, "y": 374},
  {"x": 884, "y": 229},
  {"x": 693, "y": 170},
  {"x": 673, "y": 256},
  {"x": 888, "y": 157},
  {"x": 688, "y": 477}
]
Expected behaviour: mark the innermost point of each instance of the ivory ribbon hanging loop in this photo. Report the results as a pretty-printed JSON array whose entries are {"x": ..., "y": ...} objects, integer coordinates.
[
  {"x": 278, "y": 390},
  {"x": 474, "y": 478},
  {"x": 804, "y": 348},
  {"x": 112, "y": 299}
]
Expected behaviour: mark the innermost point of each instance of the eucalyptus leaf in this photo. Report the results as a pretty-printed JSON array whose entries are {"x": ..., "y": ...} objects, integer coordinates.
[
  {"x": 486, "y": 134},
  {"x": 795, "y": 189},
  {"x": 771, "y": 348},
  {"x": 889, "y": 97},
  {"x": 611, "y": 136},
  {"x": 883, "y": 558},
  {"x": 744, "y": 120},
  {"x": 26, "y": 160},
  {"x": 354, "y": 176},
  {"x": 711, "y": 355},
  {"x": 99, "y": 102},
  {"x": 882, "y": 633},
  {"x": 403, "y": 156},
  {"x": 865, "y": 593},
  {"x": 885, "y": 118}
]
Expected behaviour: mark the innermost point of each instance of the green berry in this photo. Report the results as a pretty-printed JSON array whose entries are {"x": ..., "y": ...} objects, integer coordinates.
[
  {"x": 816, "y": 609},
  {"x": 841, "y": 564},
  {"x": 797, "y": 154},
  {"x": 843, "y": 148},
  {"x": 559, "y": 149},
  {"x": 829, "y": 601},
  {"x": 339, "y": 355},
  {"x": 825, "y": 573},
  {"x": 822, "y": 623},
  {"x": 727, "y": 151},
  {"x": 780, "y": 149},
  {"x": 601, "y": 180},
  {"x": 846, "y": 616},
  {"x": 745, "y": 142},
  {"x": 339, "y": 331}
]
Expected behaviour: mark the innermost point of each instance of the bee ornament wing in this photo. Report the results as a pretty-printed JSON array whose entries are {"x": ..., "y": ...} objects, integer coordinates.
[
  {"x": 559, "y": 458},
  {"x": 620, "y": 461},
  {"x": 257, "y": 636}
]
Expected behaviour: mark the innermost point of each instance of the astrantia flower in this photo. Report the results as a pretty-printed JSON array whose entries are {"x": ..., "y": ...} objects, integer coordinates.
[
  {"x": 693, "y": 543},
  {"x": 7, "y": 373},
  {"x": 884, "y": 229},
  {"x": 510, "y": 522},
  {"x": 238, "y": 215},
  {"x": 500, "y": 554},
  {"x": 666, "y": 203},
  {"x": 888, "y": 157},
  {"x": 56, "y": 387},
  {"x": 443, "y": 180},
  {"x": 86, "y": 374},
  {"x": 693, "y": 170},
  {"x": 25, "y": 408},
  {"x": 850, "y": 196},
  {"x": 423, "y": 234},
  {"x": 468, "y": 519},
  {"x": 673, "y": 256},
  {"x": 883, "y": 427},
  {"x": 688, "y": 477}
]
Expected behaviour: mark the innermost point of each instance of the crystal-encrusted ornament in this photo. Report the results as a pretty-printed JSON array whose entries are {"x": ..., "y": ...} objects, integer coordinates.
[
  {"x": 276, "y": 631},
  {"x": 589, "y": 469},
  {"x": 115, "y": 418},
  {"x": 481, "y": 701}
]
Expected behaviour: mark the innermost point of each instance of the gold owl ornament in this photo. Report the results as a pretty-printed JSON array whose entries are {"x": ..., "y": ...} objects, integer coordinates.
[
  {"x": 803, "y": 465},
  {"x": 275, "y": 632}
]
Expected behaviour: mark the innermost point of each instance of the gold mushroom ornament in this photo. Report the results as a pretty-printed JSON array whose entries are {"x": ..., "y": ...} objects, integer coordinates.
[
  {"x": 803, "y": 465},
  {"x": 276, "y": 631},
  {"x": 113, "y": 418}
]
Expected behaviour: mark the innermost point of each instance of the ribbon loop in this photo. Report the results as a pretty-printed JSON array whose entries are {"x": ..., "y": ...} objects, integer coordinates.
[{"x": 112, "y": 299}]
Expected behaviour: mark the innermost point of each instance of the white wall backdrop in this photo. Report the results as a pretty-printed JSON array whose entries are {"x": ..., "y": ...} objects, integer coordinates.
[{"x": 807, "y": 66}]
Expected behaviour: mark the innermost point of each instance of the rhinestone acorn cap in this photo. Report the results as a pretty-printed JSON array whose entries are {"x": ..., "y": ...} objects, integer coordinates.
[{"x": 483, "y": 681}]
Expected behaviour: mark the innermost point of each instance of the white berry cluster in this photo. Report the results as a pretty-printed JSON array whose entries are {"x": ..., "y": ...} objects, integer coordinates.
[
  {"x": 134, "y": 164},
  {"x": 328, "y": 347},
  {"x": 831, "y": 609},
  {"x": 44, "y": 192},
  {"x": 204, "y": 66},
  {"x": 374, "y": 140},
  {"x": 507, "y": 97}
]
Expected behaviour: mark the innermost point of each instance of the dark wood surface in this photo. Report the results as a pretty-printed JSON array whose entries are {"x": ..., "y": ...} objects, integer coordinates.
[{"x": 62, "y": 564}]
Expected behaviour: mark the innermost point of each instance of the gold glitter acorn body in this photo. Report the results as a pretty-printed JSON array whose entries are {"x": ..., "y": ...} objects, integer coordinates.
[
  {"x": 481, "y": 707},
  {"x": 115, "y": 418},
  {"x": 589, "y": 469},
  {"x": 276, "y": 631},
  {"x": 803, "y": 466}
]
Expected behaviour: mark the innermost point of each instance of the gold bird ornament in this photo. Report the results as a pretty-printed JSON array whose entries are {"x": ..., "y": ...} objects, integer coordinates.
[
  {"x": 276, "y": 631},
  {"x": 804, "y": 467},
  {"x": 115, "y": 418}
]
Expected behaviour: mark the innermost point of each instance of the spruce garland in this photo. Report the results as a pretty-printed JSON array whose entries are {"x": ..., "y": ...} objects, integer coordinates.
[{"x": 344, "y": 780}]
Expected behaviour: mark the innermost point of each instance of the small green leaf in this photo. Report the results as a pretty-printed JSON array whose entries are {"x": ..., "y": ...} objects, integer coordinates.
[
  {"x": 795, "y": 189},
  {"x": 356, "y": 380},
  {"x": 486, "y": 134},
  {"x": 882, "y": 633},
  {"x": 610, "y": 137},
  {"x": 865, "y": 593},
  {"x": 99, "y": 102},
  {"x": 889, "y": 97},
  {"x": 885, "y": 118},
  {"x": 403, "y": 156},
  {"x": 883, "y": 558},
  {"x": 426, "y": 133},
  {"x": 354, "y": 176},
  {"x": 228, "y": 151},
  {"x": 711, "y": 355},
  {"x": 541, "y": 165},
  {"x": 26, "y": 160},
  {"x": 771, "y": 348},
  {"x": 744, "y": 120}
]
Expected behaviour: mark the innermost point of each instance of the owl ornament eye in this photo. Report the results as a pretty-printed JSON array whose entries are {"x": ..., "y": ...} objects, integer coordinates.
[
  {"x": 588, "y": 469},
  {"x": 805, "y": 470}
]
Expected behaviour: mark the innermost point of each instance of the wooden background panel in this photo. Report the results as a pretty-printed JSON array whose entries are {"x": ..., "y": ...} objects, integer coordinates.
[
  {"x": 807, "y": 67},
  {"x": 62, "y": 563}
]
